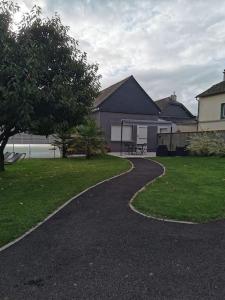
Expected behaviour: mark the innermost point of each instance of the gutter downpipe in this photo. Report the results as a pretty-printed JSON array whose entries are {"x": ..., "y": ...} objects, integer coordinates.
[{"x": 198, "y": 114}]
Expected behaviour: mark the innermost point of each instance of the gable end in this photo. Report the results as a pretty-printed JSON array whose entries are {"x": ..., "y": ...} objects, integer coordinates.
[{"x": 129, "y": 97}]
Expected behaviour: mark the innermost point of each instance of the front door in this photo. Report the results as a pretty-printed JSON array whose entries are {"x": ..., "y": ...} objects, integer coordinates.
[{"x": 142, "y": 134}]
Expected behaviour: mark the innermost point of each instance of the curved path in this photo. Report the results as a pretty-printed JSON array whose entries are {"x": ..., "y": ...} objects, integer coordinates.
[{"x": 98, "y": 248}]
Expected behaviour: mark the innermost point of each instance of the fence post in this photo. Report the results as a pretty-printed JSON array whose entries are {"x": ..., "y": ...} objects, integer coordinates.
[
  {"x": 29, "y": 151},
  {"x": 171, "y": 132}
]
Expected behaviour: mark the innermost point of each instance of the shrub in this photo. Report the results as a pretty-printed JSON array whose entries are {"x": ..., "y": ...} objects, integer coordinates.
[
  {"x": 89, "y": 139},
  {"x": 206, "y": 144}
]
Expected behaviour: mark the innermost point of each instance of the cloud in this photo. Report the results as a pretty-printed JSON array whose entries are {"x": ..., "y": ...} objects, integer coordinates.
[{"x": 168, "y": 46}]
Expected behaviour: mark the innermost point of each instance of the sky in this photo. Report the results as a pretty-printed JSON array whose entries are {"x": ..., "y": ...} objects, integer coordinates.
[{"x": 167, "y": 45}]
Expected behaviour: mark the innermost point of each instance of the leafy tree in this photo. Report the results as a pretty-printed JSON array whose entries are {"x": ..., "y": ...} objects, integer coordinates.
[
  {"x": 89, "y": 138},
  {"x": 45, "y": 80},
  {"x": 63, "y": 140}
]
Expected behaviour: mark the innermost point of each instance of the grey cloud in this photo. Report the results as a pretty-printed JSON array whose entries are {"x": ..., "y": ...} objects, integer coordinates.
[{"x": 167, "y": 45}]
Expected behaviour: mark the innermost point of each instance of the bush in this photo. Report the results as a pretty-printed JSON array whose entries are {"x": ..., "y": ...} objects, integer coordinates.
[
  {"x": 207, "y": 144},
  {"x": 89, "y": 139}
]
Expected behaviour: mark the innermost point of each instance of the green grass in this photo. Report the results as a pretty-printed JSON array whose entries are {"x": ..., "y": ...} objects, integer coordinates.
[
  {"x": 193, "y": 189},
  {"x": 32, "y": 189}
]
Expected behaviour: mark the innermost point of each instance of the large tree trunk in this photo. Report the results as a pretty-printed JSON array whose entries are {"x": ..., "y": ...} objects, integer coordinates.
[
  {"x": 2, "y": 148},
  {"x": 64, "y": 151},
  {"x": 88, "y": 151},
  {"x": 4, "y": 137},
  {"x": 2, "y": 166}
]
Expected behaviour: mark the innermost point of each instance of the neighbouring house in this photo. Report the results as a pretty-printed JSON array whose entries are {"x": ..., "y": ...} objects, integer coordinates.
[
  {"x": 211, "y": 107},
  {"x": 126, "y": 105},
  {"x": 174, "y": 111}
]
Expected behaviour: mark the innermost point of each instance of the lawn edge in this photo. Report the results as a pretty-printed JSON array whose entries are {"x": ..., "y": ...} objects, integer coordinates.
[
  {"x": 148, "y": 215},
  {"x": 62, "y": 206}
]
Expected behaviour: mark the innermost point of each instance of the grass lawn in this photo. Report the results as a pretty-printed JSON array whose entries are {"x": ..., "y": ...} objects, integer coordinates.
[
  {"x": 32, "y": 189},
  {"x": 193, "y": 189}
]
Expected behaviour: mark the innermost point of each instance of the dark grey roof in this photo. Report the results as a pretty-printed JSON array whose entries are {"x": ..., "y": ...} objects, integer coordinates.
[
  {"x": 174, "y": 110},
  {"x": 162, "y": 103},
  {"x": 218, "y": 88},
  {"x": 104, "y": 94},
  {"x": 126, "y": 96}
]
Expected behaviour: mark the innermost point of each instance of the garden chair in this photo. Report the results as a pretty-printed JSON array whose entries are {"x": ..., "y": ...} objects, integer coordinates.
[
  {"x": 130, "y": 148},
  {"x": 141, "y": 149},
  {"x": 16, "y": 157},
  {"x": 8, "y": 155}
]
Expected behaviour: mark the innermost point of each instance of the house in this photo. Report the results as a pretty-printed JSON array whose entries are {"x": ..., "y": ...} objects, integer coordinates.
[
  {"x": 126, "y": 113},
  {"x": 211, "y": 107},
  {"x": 174, "y": 111}
]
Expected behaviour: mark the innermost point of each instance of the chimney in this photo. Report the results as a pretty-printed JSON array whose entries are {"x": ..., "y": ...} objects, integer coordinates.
[
  {"x": 223, "y": 75},
  {"x": 174, "y": 96}
]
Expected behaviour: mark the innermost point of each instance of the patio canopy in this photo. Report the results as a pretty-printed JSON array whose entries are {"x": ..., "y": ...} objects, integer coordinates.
[
  {"x": 145, "y": 122},
  {"x": 148, "y": 123}
]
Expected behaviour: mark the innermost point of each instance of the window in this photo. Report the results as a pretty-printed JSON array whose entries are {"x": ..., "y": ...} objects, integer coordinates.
[
  {"x": 163, "y": 130},
  {"x": 222, "y": 111},
  {"x": 116, "y": 133}
]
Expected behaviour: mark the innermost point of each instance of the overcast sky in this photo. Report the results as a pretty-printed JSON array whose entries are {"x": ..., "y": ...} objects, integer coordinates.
[{"x": 171, "y": 45}]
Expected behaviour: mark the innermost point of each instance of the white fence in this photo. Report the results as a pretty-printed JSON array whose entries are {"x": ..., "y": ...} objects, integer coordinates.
[
  {"x": 35, "y": 146},
  {"x": 25, "y": 138},
  {"x": 34, "y": 150}
]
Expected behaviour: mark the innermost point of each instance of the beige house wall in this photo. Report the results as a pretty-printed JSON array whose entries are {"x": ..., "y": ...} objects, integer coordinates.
[
  {"x": 210, "y": 113},
  {"x": 186, "y": 127},
  {"x": 210, "y": 126}
]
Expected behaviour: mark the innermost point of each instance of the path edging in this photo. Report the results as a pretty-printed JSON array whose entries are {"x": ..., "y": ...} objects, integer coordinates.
[
  {"x": 62, "y": 206},
  {"x": 153, "y": 217}
]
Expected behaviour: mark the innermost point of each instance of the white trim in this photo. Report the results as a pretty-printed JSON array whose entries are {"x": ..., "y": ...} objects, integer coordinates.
[
  {"x": 61, "y": 207},
  {"x": 149, "y": 216},
  {"x": 145, "y": 122}
]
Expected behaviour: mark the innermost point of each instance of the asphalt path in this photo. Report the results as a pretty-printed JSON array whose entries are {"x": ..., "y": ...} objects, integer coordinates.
[{"x": 98, "y": 248}]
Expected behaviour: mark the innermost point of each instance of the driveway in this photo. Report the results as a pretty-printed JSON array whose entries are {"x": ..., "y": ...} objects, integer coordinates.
[{"x": 98, "y": 248}]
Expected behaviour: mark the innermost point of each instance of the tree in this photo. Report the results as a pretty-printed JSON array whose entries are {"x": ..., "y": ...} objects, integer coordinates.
[
  {"x": 46, "y": 82},
  {"x": 63, "y": 140},
  {"x": 89, "y": 138},
  {"x": 9, "y": 70}
]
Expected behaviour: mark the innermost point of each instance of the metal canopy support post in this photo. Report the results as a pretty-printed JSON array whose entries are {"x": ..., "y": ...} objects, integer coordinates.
[
  {"x": 121, "y": 138},
  {"x": 171, "y": 131}
]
